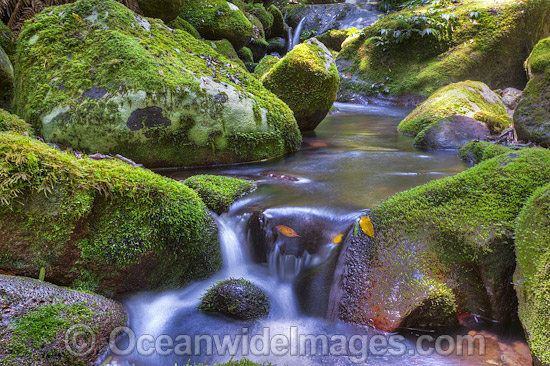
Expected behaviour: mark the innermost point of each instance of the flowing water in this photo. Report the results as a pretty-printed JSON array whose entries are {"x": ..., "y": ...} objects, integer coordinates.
[
  {"x": 355, "y": 160},
  {"x": 295, "y": 36}
]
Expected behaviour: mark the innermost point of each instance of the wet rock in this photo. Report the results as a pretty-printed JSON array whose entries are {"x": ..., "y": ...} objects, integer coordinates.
[
  {"x": 236, "y": 298},
  {"x": 452, "y": 133},
  {"x": 35, "y": 318},
  {"x": 277, "y": 44},
  {"x": 333, "y": 39},
  {"x": 279, "y": 176},
  {"x": 451, "y": 240},
  {"x": 167, "y": 10},
  {"x": 307, "y": 80}
]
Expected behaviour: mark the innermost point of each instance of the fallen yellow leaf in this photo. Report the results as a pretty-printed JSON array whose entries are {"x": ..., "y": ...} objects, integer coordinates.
[
  {"x": 77, "y": 17},
  {"x": 161, "y": 73},
  {"x": 286, "y": 231},
  {"x": 366, "y": 226},
  {"x": 338, "y": 239}
]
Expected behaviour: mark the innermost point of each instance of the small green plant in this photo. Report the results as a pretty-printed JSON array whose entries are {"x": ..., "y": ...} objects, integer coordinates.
[
  {"x": 307, "y": 35},
  {"x": 42, "y": 274}
]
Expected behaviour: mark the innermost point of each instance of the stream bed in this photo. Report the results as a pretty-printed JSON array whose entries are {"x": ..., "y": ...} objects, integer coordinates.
[{"x": 354, "y": 160}]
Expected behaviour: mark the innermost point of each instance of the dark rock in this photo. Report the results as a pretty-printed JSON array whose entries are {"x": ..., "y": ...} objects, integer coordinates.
[
  {"x": 236, "y": 298},
  {"x": 452, "y": 133},
  {"x": 148, "y": 117},
  {"x": 277, "y": 44}
]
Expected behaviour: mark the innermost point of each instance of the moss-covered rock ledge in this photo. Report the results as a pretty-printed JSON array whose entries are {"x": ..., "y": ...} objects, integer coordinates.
[
  {"x": 532, "y": 277},
  {"x": 95, "y": 76},
  {"x": 36, "y": 317},
  {"x": 446, "y": 248},
  {"x": 219, "y": 192},
  {"x": 99, "y": 225}
]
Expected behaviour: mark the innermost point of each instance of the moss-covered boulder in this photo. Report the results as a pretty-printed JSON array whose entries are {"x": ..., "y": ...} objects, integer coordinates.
[
  {"x": 10, "y": 122},
  {"x": 184, "y": 25},
  {"x": 532, "y": 116},
  {"x": 6, "y": 74},
  {"x": 103, "y": 225},
  {"x": 278, "y": 27},
  {"x": 245, "y": 54},
  {"x": 115, "y": 82},
  {"x": 277, "y": 44},
  {"x": 334, "y": 38},
  {"x": 307, "y": 80},
  {"x": 475, "y": 152},
  {"x": 225, "y": 48},
  {"x": 166, "y": 10},
  {"x": 451, "y": 239},
  {"x": 38, "y": 318},
  {"x": 236, "y": 298},
  {"x": 421, "y": 48},
  {"x": 265, "y": 17},
  {"x": 218, "y": 19},
  {"x": 532, "y": 277},
  {"x": 469, "y": 98},
  {"x": 219, "y": 192},
  {"x": 266, "y": 64}
]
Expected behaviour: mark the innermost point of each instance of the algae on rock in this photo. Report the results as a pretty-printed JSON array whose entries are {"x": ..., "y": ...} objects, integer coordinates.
[{"x": 111, "y": 81}]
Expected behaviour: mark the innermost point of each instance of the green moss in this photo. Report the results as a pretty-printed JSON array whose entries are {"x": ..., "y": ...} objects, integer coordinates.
[
  {"x": 184, "y": 25},
  {"x": 307, "y": 80},
  {"x": 10, "y": 122},
  {"x": 216, "y": 19},
  {"x": 7, "y": 39},
  {"x": 495, "y": 122},
  {"x": 266, "y": 64},
  {"x": 460, "y": 229},
  {"x": 245, "y": 54},
  {"x": 136, "y": 69},
  {"x": 236, "y": 298},
  {"x": 259, "y": 11},
  {"x": 539, "y": 60},
  {"x": 532, "y": 277},
  {"x": 103, "y": 225},
  {"x": 225, "y": 48},
  {"x": 334, "y": 38},
  {"x": 473, "y": 40},
  {"x": 219, "y": 192},
  {"x": 463, "y": 98},
  {"x": 475, "y": 151},
  {"x": 278, "y": 27}
]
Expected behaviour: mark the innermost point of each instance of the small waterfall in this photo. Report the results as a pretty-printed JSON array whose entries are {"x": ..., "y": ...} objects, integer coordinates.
[
  {"x": 233, "y": 245},
  {"x": 296, "y": 35}
]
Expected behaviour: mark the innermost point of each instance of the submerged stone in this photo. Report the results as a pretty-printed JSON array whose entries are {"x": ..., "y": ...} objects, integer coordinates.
[
  {"x": 452, "y": 133},
  {"x": 122, "y": 84}
]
